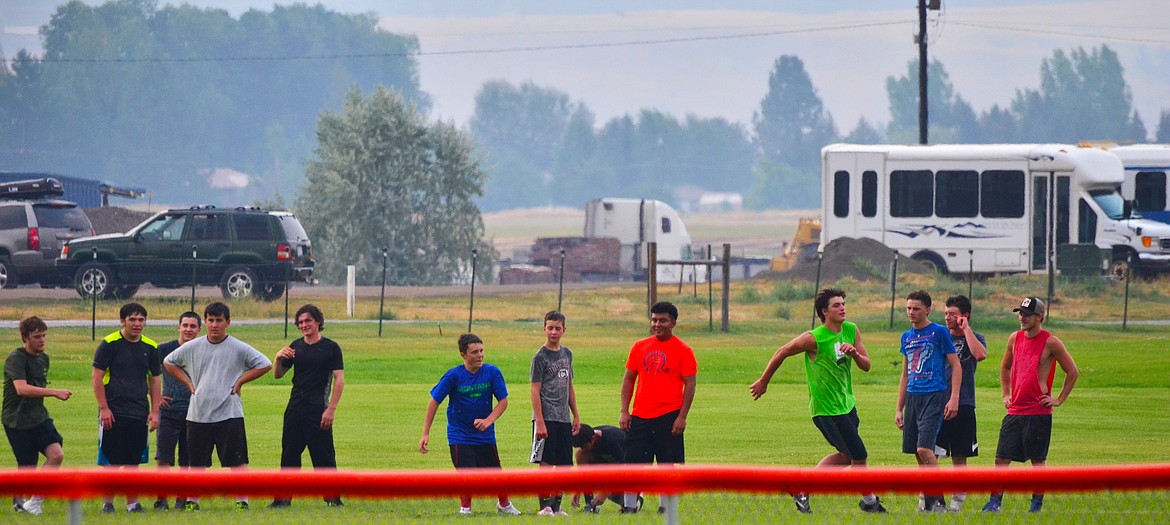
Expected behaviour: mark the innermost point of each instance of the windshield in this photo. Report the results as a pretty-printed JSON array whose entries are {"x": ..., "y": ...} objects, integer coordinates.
[
  {"x": 292, "y": 229},
  {"x": 60, "y": 215},
  {"x": 1112, "y": 204}
]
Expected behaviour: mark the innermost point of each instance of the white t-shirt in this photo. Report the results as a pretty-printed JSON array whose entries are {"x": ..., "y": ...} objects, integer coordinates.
[{"x": 214, "y": 369}]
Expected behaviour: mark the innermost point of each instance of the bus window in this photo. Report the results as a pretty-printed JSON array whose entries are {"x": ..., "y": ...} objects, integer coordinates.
[
  {"x": 841, "y": 194},
  {"x": 1003, "y": 194},
  {"x": 1086, "y": 223},
  {"x": 869, "y": 193},
  {"x": 956, "y": 193},
  {"x": 911, "y": 193},
  {"x": 1150, "y": 191}
]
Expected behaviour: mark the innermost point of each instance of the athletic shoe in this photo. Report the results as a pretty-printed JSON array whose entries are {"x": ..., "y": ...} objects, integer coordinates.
[
  {"x": 936, "y": 504},
  {"x": 33, "y": 506},
  {"x": 875, "y": 507},
  {"x": 992, "y": 505},
  {"x": 802, "y": 503},
  {"x": 509, "y": 510},
  {"x": 108, "y": 508},
  {"x": 280, "y": 504},
  {"x": 921, "y": 503},
  {"x": 592, "y": 509},
  {"x": 464, "y": 511},
  {"x": 547, "y": 511},
  {"x": 17, "y": 504},
  {"x": 241, "y": 506},
  {"x": 161, "y": 504},
  {"x": 136, "y": 507},
  {"x": 560, "y": 512},
  {"x": 957, "y": 502},
  {"x": 191, "y": 506},
  {"x": 180, "y": 503},
  {"x": 334, "y": 502},
  {"x": 1036, "y": 506}
]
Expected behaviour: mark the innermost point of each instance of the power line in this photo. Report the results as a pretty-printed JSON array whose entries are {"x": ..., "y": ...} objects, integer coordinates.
[{"x": 1033, "y": 30}]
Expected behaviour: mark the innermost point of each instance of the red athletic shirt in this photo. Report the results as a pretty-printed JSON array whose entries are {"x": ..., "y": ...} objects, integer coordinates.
[
  {"x": 660, "y": 367},
  {"x": 1026, "y": 390}
]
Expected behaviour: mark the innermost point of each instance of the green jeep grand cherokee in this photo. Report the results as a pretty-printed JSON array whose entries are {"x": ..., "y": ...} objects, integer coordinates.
[{"x": 247, "y": 252}]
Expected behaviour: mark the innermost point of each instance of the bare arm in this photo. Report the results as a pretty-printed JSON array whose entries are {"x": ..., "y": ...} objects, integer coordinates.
[
  {"x": 627, "y": 395},
  {"x": 902, "y": 380},
  {"x": 278, "y": 368},
  {"x": 105, "y": 417},
  {"x": 978, "y": 351},
  {"x": 23, "y": 389},
  {"x": 179, "y": 374},
  {"x": 432, "y": 407},
  {"x": 799, "y": 344},
  {"x": 1071, "y": 373},
  {"x": 538, "y": 412},
  {"x": 1005, "y": 372},
  {"x": 248, "y": 377},
  {"x": 680, "y": 423},
  {"x": 952, "y": 408},
  {"x": 573, "y": 407},
  {"x": 858, "y": 353},
  {"x": 483, "y": 424},
  {"x": 334, "y": 398},
  {"x": 156, "y": 400}
]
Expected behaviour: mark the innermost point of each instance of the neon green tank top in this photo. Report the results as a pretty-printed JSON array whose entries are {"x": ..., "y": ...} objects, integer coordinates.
[{"x": 830, "y": 380}]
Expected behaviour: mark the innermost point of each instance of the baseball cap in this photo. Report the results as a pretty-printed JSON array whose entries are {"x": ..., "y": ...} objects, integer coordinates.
[{"x": 1031, "y": 306}]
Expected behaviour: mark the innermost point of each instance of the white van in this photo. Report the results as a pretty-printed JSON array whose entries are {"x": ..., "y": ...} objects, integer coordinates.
[
  {"x": 636, "y": 222},
  {"x": 1146, "y": 167},
  {"x": 988, "y": 208}
]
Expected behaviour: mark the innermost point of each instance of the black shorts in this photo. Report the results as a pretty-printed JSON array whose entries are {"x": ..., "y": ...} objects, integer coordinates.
[
  {"x": 957, "y": 436},
  {"x": 921, "y": 418},
  {"x": 475, "y": 456},
  {"x": 1024, "y": 438},
  {"x": 841, "y": 432},
  {"x": 558, "y": 446},
  {"x": 651, "y": 439},
  {"x": 124, "y": 443},
  {"x": 172, "y": 432},
  {"x": 28, "y": 443},
  {"x": 228, "y": 437}
]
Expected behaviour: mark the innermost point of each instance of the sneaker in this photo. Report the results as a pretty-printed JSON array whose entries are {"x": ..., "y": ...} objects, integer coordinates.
[
  {"x": 108, "y": 508},
  {"x": 992, "y": 505},
  {"x": 802, "y": 503},
  {"x": 191, "y": 506},
  {"x": 921, "y": 503},
  {"x": 464, "y": 511},
  {"x": 280, "y": 504},
  {"x": 938, "y": 505},
  {"x": 334, "y": 502},
  {"x": 592, "y": 509},
  {"x": 136, "y": 507},
  {"x": 957, "y": 502},
  {"x": 241, "y": 506},
  {"x": 875, "y": 507},
  {"x": 1036, "y": 506},
  {"x": 17, "y": 504},
  {"x": 547, "y": 511},
  {"x": 509, "y": 510},
  {"x": 629, "y": 510},
  {"x": 161, "y": 504},
  {"x": 180, "y": 503},
  {"x": 560, "y": 512},
  {"x": 32, "y": 506}
]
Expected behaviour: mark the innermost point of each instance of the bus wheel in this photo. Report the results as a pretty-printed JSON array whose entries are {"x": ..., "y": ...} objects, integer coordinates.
[{"x": 931, "y": 261}]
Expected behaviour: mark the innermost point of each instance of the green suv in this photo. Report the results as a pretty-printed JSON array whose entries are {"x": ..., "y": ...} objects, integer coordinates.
[{"x": 247, "y": 252}]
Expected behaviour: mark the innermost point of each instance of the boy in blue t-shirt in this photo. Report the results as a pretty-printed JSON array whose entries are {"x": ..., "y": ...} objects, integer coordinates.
[
  {"x": 923, "y": 403},
  {"x": 471, "y": 433}
]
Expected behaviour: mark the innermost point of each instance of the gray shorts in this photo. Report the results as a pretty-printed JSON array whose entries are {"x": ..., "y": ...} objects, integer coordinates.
[{"x": 921, "y": 418}]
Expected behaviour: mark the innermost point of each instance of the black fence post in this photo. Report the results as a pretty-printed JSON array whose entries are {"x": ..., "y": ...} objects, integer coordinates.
[
  {"x": 1125, "y": 310},
  {"x": 93, "y": 308},
  {"x": 893, "y": 287},
  {"x": 561, "y": 281},
  {"x": 194, "y": 262},
  {"x": 287, "y": 283},
  {"x": 817, "y": 286},
  {"x": 382, "y": 300}
]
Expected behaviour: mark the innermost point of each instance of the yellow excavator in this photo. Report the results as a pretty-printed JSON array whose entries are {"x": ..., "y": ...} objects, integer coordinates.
[{"x": 803, "y": 247}]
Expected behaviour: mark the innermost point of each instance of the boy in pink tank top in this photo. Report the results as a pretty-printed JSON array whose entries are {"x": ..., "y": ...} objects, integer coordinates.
[{"x": 1025, "y": 377}]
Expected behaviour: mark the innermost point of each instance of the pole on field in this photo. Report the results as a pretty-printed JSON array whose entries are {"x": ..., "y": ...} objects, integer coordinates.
[
  {"x": 970, "y": 272},
  {"x": 382, "y": 300},
  {"x": 1125, "y": 310},
  {"x": 817, "y": 286},
  {"x": 350, "y": 289},
  {"x": 93, "y": 296},
  {"x": 471, "y": 305},
  {"x": 194, "y": 261},
  {"x": 726, "y": 319},
  {"x": 893, "y": 287},
  {"x": 561, "y": 281},
  {"x": 74, "y": 512},
  {"x": 287, "y": 286},
  {"x": 710, "y": 297}
]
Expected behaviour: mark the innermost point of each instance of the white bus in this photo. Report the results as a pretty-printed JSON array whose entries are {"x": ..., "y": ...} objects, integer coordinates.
[
  {"x": 1146, "y": 167},
  {"x": 986, "y": 208}
]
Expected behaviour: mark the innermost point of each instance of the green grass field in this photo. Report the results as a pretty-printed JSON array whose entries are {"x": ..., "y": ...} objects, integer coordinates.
[{"x": 1116, "y": 415}]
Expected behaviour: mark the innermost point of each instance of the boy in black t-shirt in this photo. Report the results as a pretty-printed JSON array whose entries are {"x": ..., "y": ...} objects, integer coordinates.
[{"x": 317, "y": 384}]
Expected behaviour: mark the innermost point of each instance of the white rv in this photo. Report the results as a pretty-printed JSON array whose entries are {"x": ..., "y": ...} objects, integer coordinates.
[
  {"x": 636, "y": 222},
  {"x": 1146, "y": 167},
  {"x": 989, "y": 208}
]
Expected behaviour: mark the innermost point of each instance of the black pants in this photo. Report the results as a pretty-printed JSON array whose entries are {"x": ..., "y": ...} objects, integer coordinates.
[
  {"x": 651, "y": 439},
  {"x": 302, "y": 428}
]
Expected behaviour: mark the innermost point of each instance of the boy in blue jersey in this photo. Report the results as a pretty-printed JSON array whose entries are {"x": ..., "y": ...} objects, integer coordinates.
[
  {"x": 923, "y": 402},
  {"x": 471, "y": 433}
]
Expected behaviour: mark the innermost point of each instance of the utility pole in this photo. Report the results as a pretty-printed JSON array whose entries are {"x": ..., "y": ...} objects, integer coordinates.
[{"x": 923, "y": 120}]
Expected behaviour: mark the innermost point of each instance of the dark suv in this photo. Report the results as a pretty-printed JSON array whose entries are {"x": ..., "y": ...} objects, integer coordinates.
[
  {"x": 247, "y": 252},
  {"x": 32, "y": 230}
]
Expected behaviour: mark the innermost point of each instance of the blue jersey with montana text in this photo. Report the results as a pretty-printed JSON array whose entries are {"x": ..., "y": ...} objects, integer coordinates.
[
  {"x": 470, "y": 399},
  {"x": 926, "y": 351}
]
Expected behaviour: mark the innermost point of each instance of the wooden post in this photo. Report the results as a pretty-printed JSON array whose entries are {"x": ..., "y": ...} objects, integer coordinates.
[{"x": 726, "y": 321}]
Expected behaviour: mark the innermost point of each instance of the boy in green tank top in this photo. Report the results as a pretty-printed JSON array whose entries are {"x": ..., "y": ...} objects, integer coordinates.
[{"x": 829, "y": 351}]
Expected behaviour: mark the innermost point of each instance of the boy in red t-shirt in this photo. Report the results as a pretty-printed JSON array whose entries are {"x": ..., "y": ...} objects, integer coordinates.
[{"x": 660, "y": 377}]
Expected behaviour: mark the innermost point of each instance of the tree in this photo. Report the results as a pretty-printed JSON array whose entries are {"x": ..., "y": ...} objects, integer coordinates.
[
  {"x": 951, "y": 118},
  {"x": 383, "y": 176},
  {"x": 864, "y": 133},
  {"x": 1082, "y": 95},
  {"x": 1163, "y": 136}
]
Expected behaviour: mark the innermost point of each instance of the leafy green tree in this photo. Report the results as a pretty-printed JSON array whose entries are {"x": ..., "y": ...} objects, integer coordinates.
[
  {"x": 951, "y": 118},
  {"x": 778, "y": 186},
  {"x": 864, "y": 133},
  {"x": 1082, "y": 95},
  {"x": 384, "y": 176},
  {"x": 1163, "y": 135}
]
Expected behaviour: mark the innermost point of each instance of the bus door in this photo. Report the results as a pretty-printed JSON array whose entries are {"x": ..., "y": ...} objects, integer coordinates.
[
  {"x": 1050, "y": 217},
  {"x": 856, "y": 188}
]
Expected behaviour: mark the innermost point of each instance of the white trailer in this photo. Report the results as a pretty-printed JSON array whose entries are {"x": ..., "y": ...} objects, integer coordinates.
[
  {"x": 1146, "y": 169},
  {"x": 637, "y": 222},
  {"x": 986, "y": 208}
]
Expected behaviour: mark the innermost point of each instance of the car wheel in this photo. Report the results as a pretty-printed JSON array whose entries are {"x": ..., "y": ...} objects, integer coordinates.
[
  {"x": 95, "y": 279},
  {"x": 239, "y": 282},
  {"x": 7, "y": 274},
  {"x": 125, "y": 291}
]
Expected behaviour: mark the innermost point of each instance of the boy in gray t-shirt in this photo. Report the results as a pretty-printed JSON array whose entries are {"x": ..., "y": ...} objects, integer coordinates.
[{"x": 554, "y": 405}]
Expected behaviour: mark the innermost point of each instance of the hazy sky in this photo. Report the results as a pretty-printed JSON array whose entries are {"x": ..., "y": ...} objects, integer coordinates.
[{"x": 712, "y": 58}]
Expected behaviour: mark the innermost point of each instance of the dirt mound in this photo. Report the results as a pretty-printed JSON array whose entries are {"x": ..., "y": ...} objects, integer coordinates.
[
  {"x": 861, "y": 259},
  {"x": 113, "y": 219}
]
